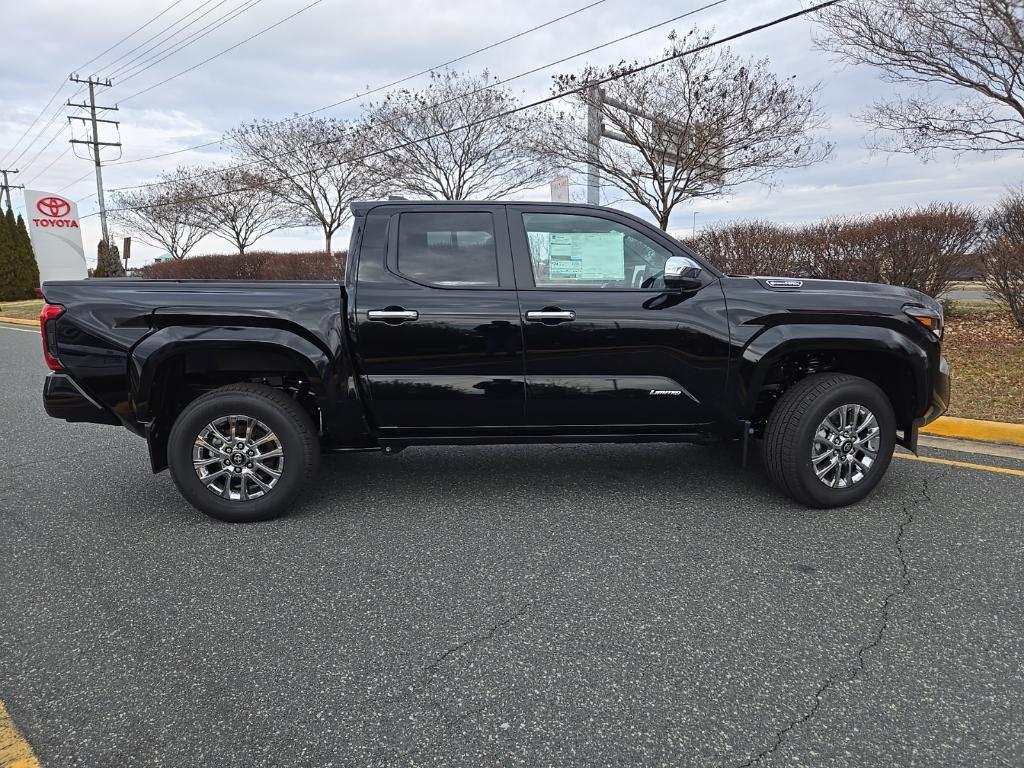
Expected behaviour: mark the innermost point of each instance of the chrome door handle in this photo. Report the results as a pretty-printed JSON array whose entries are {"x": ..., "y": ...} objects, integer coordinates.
[
  {"x": 550, "y": 315},
  {"x": 393, "y": 315}
]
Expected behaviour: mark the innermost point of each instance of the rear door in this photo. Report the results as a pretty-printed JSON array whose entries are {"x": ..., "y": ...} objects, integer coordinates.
[
  {"x": 608, "y": 347},
  {"x": 438, "y": 332}
]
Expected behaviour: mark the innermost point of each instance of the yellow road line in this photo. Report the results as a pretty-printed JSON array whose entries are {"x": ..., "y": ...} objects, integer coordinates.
[
  {"x": 962, "y": 464},
  {"x": 14, "y": 750},
  {"x": 18, "y": 321},
  {"x": 976, "y": 429}
]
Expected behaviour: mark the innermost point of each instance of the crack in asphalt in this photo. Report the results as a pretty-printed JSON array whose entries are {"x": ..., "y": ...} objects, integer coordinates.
[
  {"x": 876, "y": 640},
  {"x": 432, "y": 668}
]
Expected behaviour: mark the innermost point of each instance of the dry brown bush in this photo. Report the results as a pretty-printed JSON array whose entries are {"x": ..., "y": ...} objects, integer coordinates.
[
  {"x": 750, "y": 248},
  {"x": 257, "y": 265},
  {"x": 1002, "y": 258},
  {"x": 924, "y": 248}
]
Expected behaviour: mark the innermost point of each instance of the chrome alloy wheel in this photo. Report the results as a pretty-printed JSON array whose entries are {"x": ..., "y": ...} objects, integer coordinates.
[
  {"x": 238, "y": 458},
  {"x": 845, "y": 446}
]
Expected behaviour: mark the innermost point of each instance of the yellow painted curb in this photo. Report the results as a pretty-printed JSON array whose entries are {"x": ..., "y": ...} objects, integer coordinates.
[
  {"x": 18, "y": 321},
  {"x": 975, "y": 429},
  {"x": 15, "y": 752}
]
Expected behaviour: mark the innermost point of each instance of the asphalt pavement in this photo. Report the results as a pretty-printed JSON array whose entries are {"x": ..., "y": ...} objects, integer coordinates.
[{"x": 536, "y": 606}]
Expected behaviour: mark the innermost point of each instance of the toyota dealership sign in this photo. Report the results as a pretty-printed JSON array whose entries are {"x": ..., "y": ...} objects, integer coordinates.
[{"x": 56, "y": 236}]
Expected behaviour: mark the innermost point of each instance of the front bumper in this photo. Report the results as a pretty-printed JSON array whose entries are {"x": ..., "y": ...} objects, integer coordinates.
[
  {"x": 940, "y": 394},
  {"x": 938, "y": 406},
  {"x": 64, "y": 399}
]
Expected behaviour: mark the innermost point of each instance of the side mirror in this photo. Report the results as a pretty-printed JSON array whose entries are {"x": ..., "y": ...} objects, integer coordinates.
[{"x": 683, "y": 273}]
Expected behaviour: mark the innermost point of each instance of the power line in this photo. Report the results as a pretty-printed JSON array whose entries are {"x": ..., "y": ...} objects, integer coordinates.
[
  {"x": 129, "y": 35},
  {"x": 56, "y": 114},
  {"x": 160, "y": 34},
  {"x": 221, "y": 53},
  {"x": 539, "y": 102},
  {"x": 79, "y": 180},
  {"x": 46, "y": 146},
  {"x": 141, "y": 63},
  {"x": 195, "y": 37},
  {"x": 382, "y": 87},
  {"x": 33, "y": 123},
  {"x": 459, "y": 97},
  {"x": 59, "y": 109},
  {"x": 52, "y": 163},
  {"x": 77, "y": 92},
  {"x": 53, "y": 118}
]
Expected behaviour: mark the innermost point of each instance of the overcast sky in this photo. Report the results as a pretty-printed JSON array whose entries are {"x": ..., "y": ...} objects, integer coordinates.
[{"x": 339, "y": 48}]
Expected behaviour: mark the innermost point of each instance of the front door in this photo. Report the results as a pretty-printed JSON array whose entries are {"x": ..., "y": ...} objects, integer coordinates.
[
  {"x": 608, "y": 347},
  {"x": 439, "y": 337}
]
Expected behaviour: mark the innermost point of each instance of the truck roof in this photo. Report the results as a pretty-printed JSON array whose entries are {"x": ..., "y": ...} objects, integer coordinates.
[{"x": 361, "y": 207}]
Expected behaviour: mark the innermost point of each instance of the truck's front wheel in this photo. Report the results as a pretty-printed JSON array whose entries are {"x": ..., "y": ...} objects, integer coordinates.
[
  {"x": 829, "y": 439},
  {"x": 243, "y": 453}
]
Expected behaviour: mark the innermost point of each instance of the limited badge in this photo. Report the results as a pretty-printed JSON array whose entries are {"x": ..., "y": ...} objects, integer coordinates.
[{"x": 785, "y": 283}]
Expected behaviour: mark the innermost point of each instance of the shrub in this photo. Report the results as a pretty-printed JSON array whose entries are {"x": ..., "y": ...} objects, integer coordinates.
[
  {"x": 925, "y": 248},
  {"x": 750, "y": 248},
  {"x": 1002, "y": 257},
  {"x": 256, "y": 265}
]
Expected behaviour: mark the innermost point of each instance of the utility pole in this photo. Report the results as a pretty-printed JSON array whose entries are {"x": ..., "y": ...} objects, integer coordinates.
[
  {"x": 594, "y": 111},
  {"x": 94, "y": 140},
  {"x": 7, "y": 186}
]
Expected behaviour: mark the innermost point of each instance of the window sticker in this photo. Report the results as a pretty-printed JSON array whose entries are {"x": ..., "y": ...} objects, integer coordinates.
[{"x": 587, "y": 256}]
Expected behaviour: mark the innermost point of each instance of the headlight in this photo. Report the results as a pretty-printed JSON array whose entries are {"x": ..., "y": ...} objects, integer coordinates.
[{"x": 929, "y": 318}]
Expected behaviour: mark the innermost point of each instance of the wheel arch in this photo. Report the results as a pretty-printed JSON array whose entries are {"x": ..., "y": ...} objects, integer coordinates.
[
  {"x": 171, "y": 367},
  {"x": 778, "y": 358}
]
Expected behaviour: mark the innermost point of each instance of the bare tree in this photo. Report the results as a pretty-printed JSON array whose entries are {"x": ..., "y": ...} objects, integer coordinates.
[
  {"x": 962, "y": 58},
  {"x": 239, "y": 206},
  {"x": 310, "y": 166},
  {"x": 696, "y": 126},
  {"x": 418, "y": 144},
  {"x": 166, "y": 215}
]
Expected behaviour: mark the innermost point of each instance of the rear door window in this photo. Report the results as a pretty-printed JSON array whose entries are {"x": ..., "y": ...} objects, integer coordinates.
[{"x": 450, "y": 250}]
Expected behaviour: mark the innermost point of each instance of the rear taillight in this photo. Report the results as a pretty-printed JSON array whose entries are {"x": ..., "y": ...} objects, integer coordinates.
[{"x": 48, "y": 325}]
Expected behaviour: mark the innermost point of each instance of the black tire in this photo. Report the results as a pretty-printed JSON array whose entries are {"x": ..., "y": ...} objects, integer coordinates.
[
  {"x": 281, "y": 414},
  {"x": 792, "y": 425}
]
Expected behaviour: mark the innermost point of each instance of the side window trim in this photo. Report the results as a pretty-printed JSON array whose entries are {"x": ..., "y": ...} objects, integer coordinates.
[{"x": 506, "y": 279}]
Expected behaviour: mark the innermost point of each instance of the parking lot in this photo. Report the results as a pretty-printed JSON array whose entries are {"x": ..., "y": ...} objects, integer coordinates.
[{"x": 538, "y": 605}]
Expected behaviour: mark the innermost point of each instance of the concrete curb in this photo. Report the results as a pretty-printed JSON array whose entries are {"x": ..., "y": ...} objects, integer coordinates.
[
  {"x": 976, "y": 429},
  {"x": 18, "y": 321}
]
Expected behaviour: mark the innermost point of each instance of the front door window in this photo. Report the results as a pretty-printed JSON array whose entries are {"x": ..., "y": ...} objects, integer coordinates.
[{"x": 571, "y": 251}]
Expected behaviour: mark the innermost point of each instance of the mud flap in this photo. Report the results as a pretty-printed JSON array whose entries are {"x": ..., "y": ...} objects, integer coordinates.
[{"x": 909, "y": 439}]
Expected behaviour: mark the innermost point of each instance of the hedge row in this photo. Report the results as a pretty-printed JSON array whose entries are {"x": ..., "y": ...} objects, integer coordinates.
[
  {"x": 927, "y": 248},
  {"x": 256, "y": 265}
]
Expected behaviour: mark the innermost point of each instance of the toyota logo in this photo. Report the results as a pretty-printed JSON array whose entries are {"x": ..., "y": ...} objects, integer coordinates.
[{"x": 53, "y": 206}]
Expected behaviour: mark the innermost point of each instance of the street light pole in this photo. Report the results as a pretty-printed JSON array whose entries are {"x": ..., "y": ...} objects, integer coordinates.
[{"x": 695, "y": 222}]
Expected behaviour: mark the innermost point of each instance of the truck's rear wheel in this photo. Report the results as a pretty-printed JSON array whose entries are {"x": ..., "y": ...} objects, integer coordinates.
[
  {"x": 243, "y": 453},
  {"x": 830, "y": 439}
]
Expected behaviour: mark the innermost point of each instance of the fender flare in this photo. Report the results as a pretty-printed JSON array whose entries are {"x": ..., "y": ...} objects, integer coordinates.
[
  {"x": 764, "y": 350},
  {"x": 148, "y": 357}
]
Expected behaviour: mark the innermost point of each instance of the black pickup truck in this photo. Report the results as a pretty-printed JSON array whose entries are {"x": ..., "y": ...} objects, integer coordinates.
[{"x": 477, "y": 323}]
